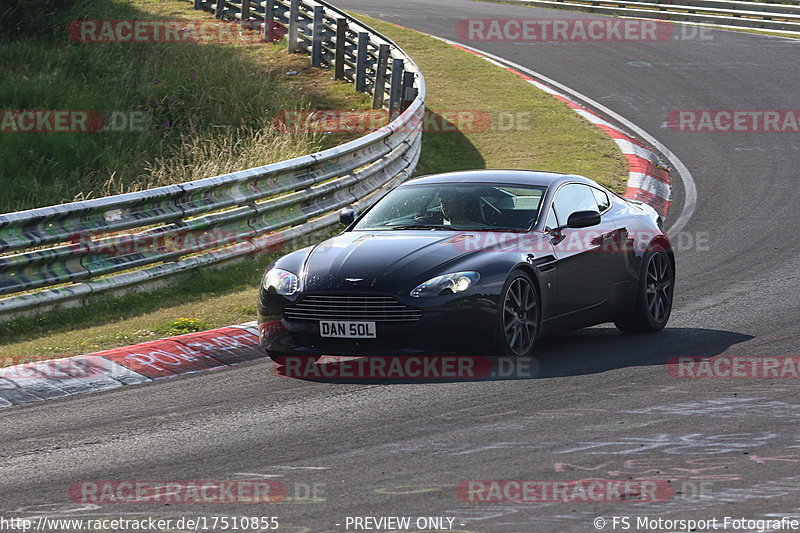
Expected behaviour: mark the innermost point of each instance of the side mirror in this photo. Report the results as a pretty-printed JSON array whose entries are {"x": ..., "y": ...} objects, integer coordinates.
[
  {"x": 583, "y": 219},
  {"x": 346, "y": 216}
]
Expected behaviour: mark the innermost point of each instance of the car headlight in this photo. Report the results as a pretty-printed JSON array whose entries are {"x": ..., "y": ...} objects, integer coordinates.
[
  {"x": 283, "y": 281},
  {"x": 447, "y": 284}
]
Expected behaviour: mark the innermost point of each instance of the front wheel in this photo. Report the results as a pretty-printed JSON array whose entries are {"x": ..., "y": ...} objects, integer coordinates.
[
  {"x": 654, "y": 297},
  {"x": 518, "y": 316}
]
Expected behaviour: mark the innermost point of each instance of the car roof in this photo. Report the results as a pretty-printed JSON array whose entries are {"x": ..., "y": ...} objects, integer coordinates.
[{"x": 516, "y": 177}]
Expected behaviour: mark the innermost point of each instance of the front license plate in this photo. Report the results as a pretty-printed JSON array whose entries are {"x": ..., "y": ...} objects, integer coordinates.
[{"x": 347, "y": 330}]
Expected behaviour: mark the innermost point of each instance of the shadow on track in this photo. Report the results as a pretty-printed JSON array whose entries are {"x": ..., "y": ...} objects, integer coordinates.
[{"x": 587, "y": 351}]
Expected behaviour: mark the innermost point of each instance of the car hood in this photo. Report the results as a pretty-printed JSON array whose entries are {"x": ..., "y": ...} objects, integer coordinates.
[{"x": 385, "y": 260}]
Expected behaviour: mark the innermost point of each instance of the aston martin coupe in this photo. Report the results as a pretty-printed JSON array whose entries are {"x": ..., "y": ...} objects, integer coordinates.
[{"x": 472, "y": 262}]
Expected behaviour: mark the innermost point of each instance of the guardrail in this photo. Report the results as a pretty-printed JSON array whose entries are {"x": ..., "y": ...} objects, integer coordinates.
[
  {"x": 60, "y": 255},
  {"x": 782, "y": 18}
]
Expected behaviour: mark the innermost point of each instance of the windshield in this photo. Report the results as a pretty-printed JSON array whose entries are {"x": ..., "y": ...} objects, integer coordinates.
[{"x": 456, "y": 206}]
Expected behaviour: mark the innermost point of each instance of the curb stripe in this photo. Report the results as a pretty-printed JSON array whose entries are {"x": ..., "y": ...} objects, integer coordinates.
[
  {"x": 645, "y": 182},
  {"x": 129, "y": 365},
  {"x": 658, "y": 203}
]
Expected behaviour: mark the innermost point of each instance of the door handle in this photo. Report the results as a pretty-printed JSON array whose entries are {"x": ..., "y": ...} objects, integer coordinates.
[{"x": 605, "y": 238}]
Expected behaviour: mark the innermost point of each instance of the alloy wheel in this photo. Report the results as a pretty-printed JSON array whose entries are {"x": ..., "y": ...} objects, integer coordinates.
[
  {"x": 659, "y": 287},
  {"x": 520, "y": 316}
]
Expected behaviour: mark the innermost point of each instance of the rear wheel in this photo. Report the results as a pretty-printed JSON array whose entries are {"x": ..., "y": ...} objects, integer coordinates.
[
  {"x": 518, "y": 316},
  {"x": 653, "y": 304}
]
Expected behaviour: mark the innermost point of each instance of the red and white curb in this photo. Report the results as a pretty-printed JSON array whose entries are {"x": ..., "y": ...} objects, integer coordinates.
[
  {"x": 648, "y": 180},
  {"x": 130, "y": 365}
]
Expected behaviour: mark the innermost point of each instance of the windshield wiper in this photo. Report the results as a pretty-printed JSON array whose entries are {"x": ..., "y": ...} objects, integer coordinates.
[
  {"x": 415, "y": 226},
  {"x": 510, "y": 230}
]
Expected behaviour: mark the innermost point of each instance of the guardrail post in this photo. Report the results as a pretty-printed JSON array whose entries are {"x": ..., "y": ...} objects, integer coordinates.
[
  {"x": 341, "y": 41},
  {"x": 268, "y": 31},
  {"x": 361, "y": 62},
  {"x": 395, "y": 87},
  {"x": 316, "y": 37},
  {"x": 219, "y": 8},
  {"x": 380, "y": 76},
  {"x": 408, "y": 92},
  {"x": 245, "y": 10},
  {"x": 198, "y": 4},
  {"x": 294, "y": 14}
]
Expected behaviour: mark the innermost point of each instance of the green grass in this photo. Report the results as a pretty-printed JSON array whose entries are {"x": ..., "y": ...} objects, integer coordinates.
[
  {"x": 207, "y": 108},
  {"x": 200, "y": 300},
  {"x": 557, "y": 140},
  {"x": 135, "y": 317}
]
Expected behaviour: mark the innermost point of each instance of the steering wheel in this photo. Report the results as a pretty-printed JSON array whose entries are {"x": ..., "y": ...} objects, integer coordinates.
[{"x": 489, "y": 205}]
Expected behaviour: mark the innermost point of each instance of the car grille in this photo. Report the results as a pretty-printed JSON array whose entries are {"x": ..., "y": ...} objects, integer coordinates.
[{"x": 366, "y": 308}]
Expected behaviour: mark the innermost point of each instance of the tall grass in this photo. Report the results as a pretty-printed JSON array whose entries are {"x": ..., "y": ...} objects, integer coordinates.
[{"x": 207, "y": 108}]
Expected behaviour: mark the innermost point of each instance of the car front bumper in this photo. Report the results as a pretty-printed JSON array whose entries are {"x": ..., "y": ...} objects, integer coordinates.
[{"x": 451, "y": 324}]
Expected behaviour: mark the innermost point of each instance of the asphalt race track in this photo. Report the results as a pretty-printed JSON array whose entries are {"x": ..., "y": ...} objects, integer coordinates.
[{"x": 597, "y": 405}]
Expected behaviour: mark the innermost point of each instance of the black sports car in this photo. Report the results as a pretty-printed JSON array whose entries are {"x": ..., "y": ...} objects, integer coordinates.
[{"x": 471, "y": 262}]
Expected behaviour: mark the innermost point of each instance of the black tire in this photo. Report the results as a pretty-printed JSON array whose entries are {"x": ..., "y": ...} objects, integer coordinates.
[
  {"x": 518, "y": 316},
  {"x": 653, "y": 304}
]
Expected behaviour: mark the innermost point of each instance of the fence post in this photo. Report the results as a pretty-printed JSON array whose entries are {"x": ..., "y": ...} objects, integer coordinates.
[
  {"x": 341, "y": 42},
  {"x": 409, "y": 92},
  {"x": 361, "y": 62},
  {"x": 219, "y": 8},
  {"x": 245, "y": 10},
  {"x": 269, "y": 22},
  {"x": 294, "y": 15},
  {"x": 380, "y": 76},
  {"x": 316, "y": 37},
  {"x": 395, "y": 87}
]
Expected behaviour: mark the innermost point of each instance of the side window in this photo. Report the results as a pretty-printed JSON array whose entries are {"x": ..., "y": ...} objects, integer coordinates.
[
  {"x": 603, "y": 202},
  {"x": 574, "y": 197},
  {"x": 552, "y": 221}
]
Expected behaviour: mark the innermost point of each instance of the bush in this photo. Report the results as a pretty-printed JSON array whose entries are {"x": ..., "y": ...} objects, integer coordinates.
[
  {"x": 30, "y": 16},
  {"x": 182, "y": 326}
]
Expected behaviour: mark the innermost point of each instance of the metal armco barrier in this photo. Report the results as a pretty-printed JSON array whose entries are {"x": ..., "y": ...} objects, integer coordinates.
[
  {"x": 783, "y": 18},
  {"x": 59, "y": 255}
]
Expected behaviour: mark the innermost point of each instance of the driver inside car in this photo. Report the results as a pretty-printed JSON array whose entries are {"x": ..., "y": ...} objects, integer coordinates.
[{"x": 461, "y": 209}]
